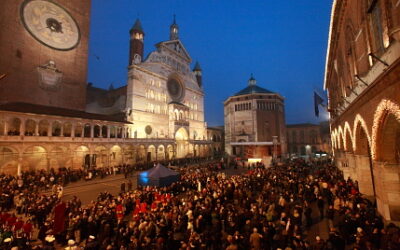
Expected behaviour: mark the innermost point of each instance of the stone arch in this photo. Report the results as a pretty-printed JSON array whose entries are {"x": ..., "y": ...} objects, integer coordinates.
[
  {"x": 8, "y": 160},
  {"x": 115, "y": 155},
  {"x": 30, "y": 127},
  {"x": 96, "y": 131},
  {"x": 56, "y": 128},
  {"x": 129, "y": 154},
  {"x": 67, "y": 129},
  {"x": 161, "y": 152},
  {"x": 151, "y": 153},
  {"x": 382, "y": 119},
  {"x": 359, "y": 123},
  {"x": 348, "y": 138},
  {"x": 87, "y": 130},
  {"x": 34, "y": 158},
  {"x": 340, "y": 138},
  {"x": 113, "y": 132},
  {"x": 141, "y": 153},
  {"x": 59, "y": 157},
  {"x": 334, "y": 139},
  {"x": 104, "y": 130},
  {"x": 44, "y": 128},
  {"x": 182, "y": 137},
  {"x": 78, "y": 130},
  {"x": 100, "y": 157},
  {"x": 119, "y": 132},
  {"x": 170, "y": 152},
  {"x": 81, "y": 157},
  {"x": 14, "y": 126}
]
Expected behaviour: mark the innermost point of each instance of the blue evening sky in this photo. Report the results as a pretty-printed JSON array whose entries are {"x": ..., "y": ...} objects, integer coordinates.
[{"x": 283, "y": 43}]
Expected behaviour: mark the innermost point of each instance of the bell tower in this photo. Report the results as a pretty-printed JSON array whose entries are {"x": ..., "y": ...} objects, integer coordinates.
[
  {"x": 197, "y": 72},
  {"x": 44, "y": 52},
  {"x": 174, "y": 31},
  {"x": 136, "y": 43}
]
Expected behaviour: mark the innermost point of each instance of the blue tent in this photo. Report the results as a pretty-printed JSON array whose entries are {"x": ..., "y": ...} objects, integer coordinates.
[{"x": 159, "y": 176}]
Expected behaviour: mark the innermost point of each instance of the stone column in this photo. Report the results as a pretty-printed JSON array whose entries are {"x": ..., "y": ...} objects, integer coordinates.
[
  {"x": 6, "y": 127},
  {"x": 364, "y": 177},
  {"x": 62, "y": 129},
  {"x": 37, "y": 129},
  {"x": 19, "y": 166},
  {"x": 387, "y": 182},
  {"x": 350, "y": 169},
  {"x": 108, "y": 131},
  {"x": 73, "y": 131},
  {"x": 91, "y": 131},
  {"x": 50, "y": 129},
  {"x": 22, "y": 127}
]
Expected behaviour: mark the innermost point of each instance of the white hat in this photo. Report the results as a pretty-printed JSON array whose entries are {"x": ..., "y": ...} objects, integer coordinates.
[
  {"x": 71, "y": 242},
  {"x": 92, "y": 237},
  {"x": 50, "y": 238},
  {"x": 7, "y": 240}
]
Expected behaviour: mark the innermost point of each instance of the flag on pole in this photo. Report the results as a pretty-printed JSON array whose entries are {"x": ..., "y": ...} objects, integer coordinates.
[{"x": 318, "y": 100}]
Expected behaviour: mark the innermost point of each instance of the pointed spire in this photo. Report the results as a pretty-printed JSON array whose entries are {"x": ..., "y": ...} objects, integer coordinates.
[
  {"x": 252, "y": 81},
  {"x": 111, "y": 87},
  {"x": 137, "y": 27},
  {"x": 173, "y": 30},
  {"x": 197, "y": 67},
  {"x": 174, "y": 19}
]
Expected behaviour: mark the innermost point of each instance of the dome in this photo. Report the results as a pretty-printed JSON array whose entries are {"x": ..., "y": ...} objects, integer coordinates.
[{"x": 253, "y": 88}]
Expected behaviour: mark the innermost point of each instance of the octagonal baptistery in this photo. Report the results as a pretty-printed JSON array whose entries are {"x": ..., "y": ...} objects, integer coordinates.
[{"x": 255, "y": 124}]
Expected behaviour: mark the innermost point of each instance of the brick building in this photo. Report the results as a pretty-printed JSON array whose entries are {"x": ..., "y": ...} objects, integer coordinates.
[
  {"x": 255, "y": 123},
  {"x": 363, "y": 81},
  {"x": 307, "y": 138},
  {"x": 51, "y": 118}
]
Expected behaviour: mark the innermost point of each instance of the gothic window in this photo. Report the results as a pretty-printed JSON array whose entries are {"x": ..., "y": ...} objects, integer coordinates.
[{"x": 375, "y": 26}]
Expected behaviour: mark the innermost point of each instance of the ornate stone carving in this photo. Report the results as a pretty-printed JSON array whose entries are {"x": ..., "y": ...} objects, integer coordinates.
[{"x": 50, "y": 77}]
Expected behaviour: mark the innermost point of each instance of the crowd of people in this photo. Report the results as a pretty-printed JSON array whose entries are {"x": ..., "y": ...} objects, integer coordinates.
[{"x": 265, "y": 208}]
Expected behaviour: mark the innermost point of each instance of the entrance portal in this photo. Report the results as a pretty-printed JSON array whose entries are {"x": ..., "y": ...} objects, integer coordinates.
[{"x": 182, "y": 143}]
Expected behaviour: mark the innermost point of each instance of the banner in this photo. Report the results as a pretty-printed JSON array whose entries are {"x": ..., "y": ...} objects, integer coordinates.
[{"x": 59, "y": 217}]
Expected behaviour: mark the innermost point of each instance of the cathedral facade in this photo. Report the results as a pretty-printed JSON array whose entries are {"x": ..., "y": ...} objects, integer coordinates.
[
  {"x": 51, "y": 118},
  {"x": 165, "y": 98}
]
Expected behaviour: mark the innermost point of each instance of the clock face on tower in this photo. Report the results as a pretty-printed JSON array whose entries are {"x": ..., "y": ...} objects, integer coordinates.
[{"x": 50, "y": 24}]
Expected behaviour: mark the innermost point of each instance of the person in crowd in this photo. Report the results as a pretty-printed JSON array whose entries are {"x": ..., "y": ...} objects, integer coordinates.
[{"x": 263, "y": 208}]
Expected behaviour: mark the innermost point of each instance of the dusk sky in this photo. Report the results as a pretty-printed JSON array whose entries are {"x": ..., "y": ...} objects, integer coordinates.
[{"x": 283, "y": 43}]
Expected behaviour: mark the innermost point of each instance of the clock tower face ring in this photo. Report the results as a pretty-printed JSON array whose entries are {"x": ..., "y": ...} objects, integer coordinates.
[
  {"x": 50, "y": 24},
  {"x": 175, "y": 89}
]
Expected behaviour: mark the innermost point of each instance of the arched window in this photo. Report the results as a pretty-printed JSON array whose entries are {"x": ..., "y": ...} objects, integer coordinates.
[
  {"x": 86, "y": 132},
  {"x": 43, "y": 128},
  {"x": 67, "y": 127},
  {"x": 56, "y": 129},
  {"x": 375, "y": 26},
  {"x": 78, "y": 130},
  {"x": 30, "y": 127}
]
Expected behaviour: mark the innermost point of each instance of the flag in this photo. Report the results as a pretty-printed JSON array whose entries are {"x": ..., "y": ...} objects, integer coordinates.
[
  {"x": 59, "y": 217},
  {"x": 318, "y": 100}
]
